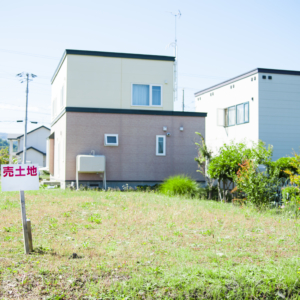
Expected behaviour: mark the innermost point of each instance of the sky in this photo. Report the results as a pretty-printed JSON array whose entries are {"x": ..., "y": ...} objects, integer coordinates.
[{"x": 217, "y": 40}]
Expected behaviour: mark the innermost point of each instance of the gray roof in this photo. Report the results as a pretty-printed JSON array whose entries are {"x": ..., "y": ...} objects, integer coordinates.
[
  {"x": 32, "y": 149},
  {"x": 34, "y": 130},
  {"x": 13, "y": 136},
  {"x": 257, "y": 70}
]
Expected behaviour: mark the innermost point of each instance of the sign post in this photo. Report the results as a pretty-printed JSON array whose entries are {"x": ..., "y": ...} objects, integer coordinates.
[{"x": 21, "y": 178}]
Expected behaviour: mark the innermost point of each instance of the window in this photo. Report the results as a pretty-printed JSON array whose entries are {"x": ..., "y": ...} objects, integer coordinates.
[
  {"x": 161, "y": 145},
  {"x": 146, "y": 95},
  {"x": 270, "y": 77},
  {"x": 242, "y": 113},
  {"x": 231, "y": 116},
  {"x": 111, "y": 140},
  {"x": 264, "y": 77}
]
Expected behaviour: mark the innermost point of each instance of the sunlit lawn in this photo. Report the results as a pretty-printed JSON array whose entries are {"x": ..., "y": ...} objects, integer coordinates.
[{"x": 135, "y": 245}]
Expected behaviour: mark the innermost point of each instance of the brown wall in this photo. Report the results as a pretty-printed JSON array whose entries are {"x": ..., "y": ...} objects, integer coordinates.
[{"x": 135, "y": 158}]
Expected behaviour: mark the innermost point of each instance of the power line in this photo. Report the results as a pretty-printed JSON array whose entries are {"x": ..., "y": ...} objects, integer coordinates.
[{"x": 29, "y": 54}]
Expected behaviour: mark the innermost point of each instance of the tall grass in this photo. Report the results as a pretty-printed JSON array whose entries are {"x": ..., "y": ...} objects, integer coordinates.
[{"x": 179, "y": 185}]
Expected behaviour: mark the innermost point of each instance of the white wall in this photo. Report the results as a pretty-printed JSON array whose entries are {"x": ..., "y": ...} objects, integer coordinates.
[
  {"x": 59, "y": 90},
  {"x": 224, "y": 97},
  {"x": 36, "y": 139},
  {"x": 105, "y": 82},
  {"x": 279, "y": 112},
  {"x": 33, "y": 157}
]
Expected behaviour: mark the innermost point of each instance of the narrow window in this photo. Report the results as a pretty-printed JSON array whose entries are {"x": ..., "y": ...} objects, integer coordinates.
[
  {"x": 156, "y": 95},
  {"x": 240, "y": 114},
  {"x": 246, "y": 112},
  {"x": 231, "y": 116},
  {"x": 111, "y": 140},
  {"x": 160, "y": 145}
]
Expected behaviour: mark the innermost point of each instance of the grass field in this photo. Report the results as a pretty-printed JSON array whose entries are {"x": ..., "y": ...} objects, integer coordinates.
[{"x": 135, "y": 245}]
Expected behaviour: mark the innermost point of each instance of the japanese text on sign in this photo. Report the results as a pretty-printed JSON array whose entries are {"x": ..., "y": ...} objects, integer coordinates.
[{"x": 19, "y": 177}]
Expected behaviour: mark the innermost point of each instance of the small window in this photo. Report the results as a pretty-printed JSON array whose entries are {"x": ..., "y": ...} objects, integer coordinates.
[
  {"x": 254, "y": 77},
  {"x": 146, "y": 95},
  {"x": 160, "y": 145},
  {"x": 111, "y": 140},
  {"x": 270, "y": 77},
  {"x": 264, "y": 77}
]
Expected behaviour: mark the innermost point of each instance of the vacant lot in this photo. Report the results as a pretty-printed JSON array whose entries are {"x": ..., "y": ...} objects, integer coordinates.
[{"x": 135, "y": 245}]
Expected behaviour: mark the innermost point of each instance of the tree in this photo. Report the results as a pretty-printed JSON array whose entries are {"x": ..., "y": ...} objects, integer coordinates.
[
  {"x": 4, "y": 156},
  {"x": 225, "y": 166},
  {"x": 203, "y": 159}
]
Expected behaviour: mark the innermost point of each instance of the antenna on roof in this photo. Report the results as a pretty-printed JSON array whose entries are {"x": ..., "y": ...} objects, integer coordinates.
[{"x": 175, "y": 87}]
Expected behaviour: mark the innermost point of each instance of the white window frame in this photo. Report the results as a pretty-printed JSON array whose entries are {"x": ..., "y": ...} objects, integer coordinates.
[
  {"x": 150, "y": 95},
  {"x": 164, "y": 152},
  {"x": 111, "y": 144}
]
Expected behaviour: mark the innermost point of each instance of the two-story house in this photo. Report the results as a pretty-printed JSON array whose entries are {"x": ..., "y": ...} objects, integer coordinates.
[{"x": 120, "y": 105}]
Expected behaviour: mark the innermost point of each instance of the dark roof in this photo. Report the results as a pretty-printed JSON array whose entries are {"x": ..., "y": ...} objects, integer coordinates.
[
  {"x": 250, "y": 73},
  {"x": 33, "y": 131},
  {"x": 128, "y": 111},
  {"x": 110, "y": 54},
  {"x": 51, "y": 136},
  {"x": 32, "y": 149}
]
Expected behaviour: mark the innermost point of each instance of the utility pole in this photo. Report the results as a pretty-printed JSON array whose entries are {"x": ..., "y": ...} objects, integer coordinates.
[
  {"x": 182, "y": 99},
  {"x": 22, "y": 75}
]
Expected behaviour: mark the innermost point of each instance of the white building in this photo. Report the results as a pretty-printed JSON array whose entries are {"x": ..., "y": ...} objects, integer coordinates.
[
  {"x": 36, "y": 146},
  {"x": 263, "y": 104}
]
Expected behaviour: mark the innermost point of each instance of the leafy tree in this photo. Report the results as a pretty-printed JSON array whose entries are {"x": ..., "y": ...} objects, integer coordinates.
[
  {"x": 5, "y": 144},
  {"x": 203, "y": 159},
  {"x": 225, "y": 166},
  {"x": 4, "y": 156}
]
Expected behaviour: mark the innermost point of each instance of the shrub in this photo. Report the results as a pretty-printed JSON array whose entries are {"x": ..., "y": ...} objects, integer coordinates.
[
  {"x": 225, "y": 166},
  {"x": 258, "y": 188},
  {"x": 179, "y": 185},
  {"x": 282, "y": 164}
]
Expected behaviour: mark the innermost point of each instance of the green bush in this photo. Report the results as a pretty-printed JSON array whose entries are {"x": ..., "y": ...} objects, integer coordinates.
[
  {"x": 179, "y": 185},
  {"x": 282, "y": 164}
]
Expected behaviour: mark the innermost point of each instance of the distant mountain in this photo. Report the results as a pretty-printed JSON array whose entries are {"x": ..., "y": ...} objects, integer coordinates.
[{"x": 3, "y": 136}]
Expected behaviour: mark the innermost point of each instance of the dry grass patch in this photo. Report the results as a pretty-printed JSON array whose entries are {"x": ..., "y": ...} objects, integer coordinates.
[{"x": 144, "y": 245}]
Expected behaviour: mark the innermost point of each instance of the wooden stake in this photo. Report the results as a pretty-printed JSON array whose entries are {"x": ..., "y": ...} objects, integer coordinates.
[
  {"x": 24, "y": 222},
  {"x": 29, "y": 235}
]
